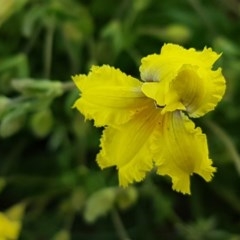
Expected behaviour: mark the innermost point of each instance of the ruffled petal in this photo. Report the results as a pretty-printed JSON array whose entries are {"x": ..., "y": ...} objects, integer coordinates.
[
  {"x": 9, "y": 229},
  {"x": 180, "y": 150},
  {"x": 159, "y": 91},
  {"x": 108, "y": 96},
  {"x": 156, "y": 91},
  {"x": 195, "y": 90},
  {"x": 165, "y": 66},
  {"x": 183, "y": 81},
  {"x": 127, "y": 147}
]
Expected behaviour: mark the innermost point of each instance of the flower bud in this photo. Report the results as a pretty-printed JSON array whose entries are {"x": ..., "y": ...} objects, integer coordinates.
[
  {"x": 41, "y": 123},
  {"x": 127, "y": 197},
  {"x": 4, "y": 103},
  {"x": 99, "y": 204},
  {"x": 176, "y": 33},
  {"x": 12, "y": 122}
]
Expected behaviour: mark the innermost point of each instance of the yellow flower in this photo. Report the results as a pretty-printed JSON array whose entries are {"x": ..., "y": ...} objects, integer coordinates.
[
  {"x": 10, "y": 222},
  {"x": 146, "y": 122}
]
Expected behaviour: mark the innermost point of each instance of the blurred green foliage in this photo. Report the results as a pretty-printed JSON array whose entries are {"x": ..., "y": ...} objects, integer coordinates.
[{"x": 48, "y": 151}]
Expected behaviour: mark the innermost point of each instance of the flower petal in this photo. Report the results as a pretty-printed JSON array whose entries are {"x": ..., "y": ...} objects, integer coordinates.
[
  {"x": 165, "y": 66},
  {"x": 9, "y": 229},
  {"x": 109, "y": 96},
  {"x": 198, "y": 90},
  {"x": 127, "y": 147},
  {"x": 180, "y": 150},
  {"x": 159, "y": 91},
  {"x": 156, "y": 91},
  {"x": 181, "y": 79}
]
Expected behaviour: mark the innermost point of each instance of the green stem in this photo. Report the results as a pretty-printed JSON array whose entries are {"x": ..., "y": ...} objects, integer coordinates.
[
  {"x": 48, "y": 50},
  {"x": 33, "y": 39},
  {"x": 68, "y": 86},
  {"x": 121, "y": 231},
  {"x": 227, "y": 141}
]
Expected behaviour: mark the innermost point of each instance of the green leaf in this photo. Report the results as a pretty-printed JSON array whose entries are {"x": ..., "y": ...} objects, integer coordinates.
[
  {"x": 114, "y": 32},
  {"x": 9, "y": 7},
  {"x": 31, "y": 19},
  {"x": 18, "y": 62},
  {"x": 62, "y": 235},
  {"x": 12, "y": 122},
  {"x": 4, "y": 104},
  {"x": 16, "y": 211},
  {"x": 140, "y": 5},
  {"x": 227, "y": 46}
]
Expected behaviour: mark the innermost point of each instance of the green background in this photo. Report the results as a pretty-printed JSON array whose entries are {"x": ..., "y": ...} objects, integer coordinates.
[{"x": 47, "y": 150}]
